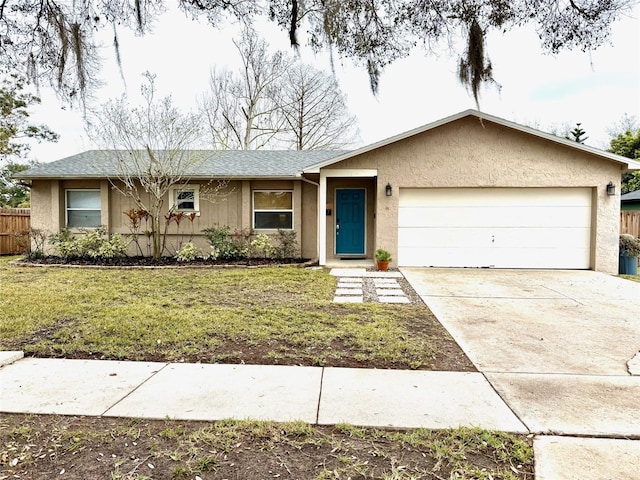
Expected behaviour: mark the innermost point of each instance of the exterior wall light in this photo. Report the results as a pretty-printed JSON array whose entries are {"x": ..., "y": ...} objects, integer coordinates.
[
  {"x": 387, "y": 190},
  {"x": 611, "y": 189}
]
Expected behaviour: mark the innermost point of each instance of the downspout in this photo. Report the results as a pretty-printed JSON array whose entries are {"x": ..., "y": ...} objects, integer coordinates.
[{"x": 301, "y": 176}]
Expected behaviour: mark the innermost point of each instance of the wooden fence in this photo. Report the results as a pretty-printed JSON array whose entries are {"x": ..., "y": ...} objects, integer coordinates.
[
  {"x": 14, "y": 230},
  {"x": 630, "y": 222}
]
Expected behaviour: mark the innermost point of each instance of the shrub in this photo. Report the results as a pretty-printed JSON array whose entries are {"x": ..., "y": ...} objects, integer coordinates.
[
  {"x": 114, "y": 248},
  {"x": 287, "y": 244},
  {"x": 32, "y": 242},
  {"x": 222, "y": 243},
  {"x": 65, "y": 244},
  {"x": 188, "y": 253},
  {"x": 91, "y": 244},
  {"x": 630, "y": 245},
  {"x": 262, "y": 244}
]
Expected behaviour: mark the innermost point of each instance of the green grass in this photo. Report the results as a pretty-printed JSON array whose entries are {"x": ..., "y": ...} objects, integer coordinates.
[{"x": 266, "y": 315}]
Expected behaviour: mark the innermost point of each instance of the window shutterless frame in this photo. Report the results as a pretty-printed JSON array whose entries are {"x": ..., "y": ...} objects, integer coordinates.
[
  {"x": 83, "y": 208},
  {"x": 272, "y": 209},
  {"x": 185, "y": 198}
]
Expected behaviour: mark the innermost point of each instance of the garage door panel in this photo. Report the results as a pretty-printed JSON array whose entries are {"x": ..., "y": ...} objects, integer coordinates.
[
  {"x": 570, "y": 258},
  {"x": 495, "y": 227},
  {"x": 502, "y": 216},
  {"x": 443, "y": 257},
  {"x": 496, "y": 196},
  {"x": 492, "y": 237}
]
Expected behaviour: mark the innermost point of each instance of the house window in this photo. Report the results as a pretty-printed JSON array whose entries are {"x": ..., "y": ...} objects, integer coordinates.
[
  {"x": 185, "y": 198},
  {"x": 83, "y": 208},
  {"x": 272, "y": 210}
]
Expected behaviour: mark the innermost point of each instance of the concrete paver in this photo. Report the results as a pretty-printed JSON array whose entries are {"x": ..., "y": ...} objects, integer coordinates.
[
  {"x": 348, "y": 272},
  {"x": 214, "y": 392},
  {"x": 343, "y": 280},
  {"x": 396, "y": 299},
  {"x": 411, "y": 399},
  {"x": 572, "y": 404},
  {"x": 8, "y": 357},
  {"x": 348, "y": 299},
  {"x": 378, "y": 274},
  {"x": 69, "y": 387},
  {"x": 348, "y": 291},
  {"x": 570, "y": 458},
  {"x": 386, "y": 282},
  {"x": 388, "y": 292}
]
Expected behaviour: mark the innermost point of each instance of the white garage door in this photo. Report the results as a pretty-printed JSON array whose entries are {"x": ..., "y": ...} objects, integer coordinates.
[{"x": 495, "y": 227}]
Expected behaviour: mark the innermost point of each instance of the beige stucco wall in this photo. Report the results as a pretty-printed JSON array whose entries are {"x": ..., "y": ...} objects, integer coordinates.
[
  {"x": 467, "y": 153},
  {"x": 230, "y": 206}
]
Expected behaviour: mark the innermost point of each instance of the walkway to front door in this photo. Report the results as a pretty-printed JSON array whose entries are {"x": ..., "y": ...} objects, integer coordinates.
[{"x": 357, "y": 285}]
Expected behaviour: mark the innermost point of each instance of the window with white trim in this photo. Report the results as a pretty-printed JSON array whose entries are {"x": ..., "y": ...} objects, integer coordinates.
[
  {"x": 83, "y": 208},
  {"x": 185, "y": 198},
  {"x": 272, "y": 210}
]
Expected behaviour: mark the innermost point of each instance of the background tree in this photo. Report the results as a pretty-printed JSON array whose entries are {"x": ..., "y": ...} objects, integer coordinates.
[
  {"x": 241, "y": 108},
  {"x": 274, "y": 101},
  {"x": 314, "y": 110},
  {"x": 55, "y": 40},
  {"x": 15, "y": 133},
  {"x": 14, "y": 194},
  {"x": 153, "y": 150},
  {"x": 15, "y": 128},
  {"x": 577, "y": 134},
  {"x": 627, "y": 144}
]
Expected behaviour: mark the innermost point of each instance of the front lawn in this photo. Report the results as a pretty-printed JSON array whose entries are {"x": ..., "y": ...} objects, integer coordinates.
[{"x": 230, "y": 315}]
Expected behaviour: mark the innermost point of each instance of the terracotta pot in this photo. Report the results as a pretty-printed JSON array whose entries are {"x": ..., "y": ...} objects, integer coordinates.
[{"x": 383, "y": 266}]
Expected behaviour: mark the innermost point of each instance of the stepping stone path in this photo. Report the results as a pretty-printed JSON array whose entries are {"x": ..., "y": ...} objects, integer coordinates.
[{"x": 353, "y": 281}]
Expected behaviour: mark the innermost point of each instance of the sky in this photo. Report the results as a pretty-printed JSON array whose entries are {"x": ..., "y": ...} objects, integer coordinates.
[{"x": 547, "y": 92}]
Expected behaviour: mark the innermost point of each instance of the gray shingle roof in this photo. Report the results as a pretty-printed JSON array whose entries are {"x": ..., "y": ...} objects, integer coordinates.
[
  {"x": 210, "y": 163},
  {"x": 627, "y": 197}
]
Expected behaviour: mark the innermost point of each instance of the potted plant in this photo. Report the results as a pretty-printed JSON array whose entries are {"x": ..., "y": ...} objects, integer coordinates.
[
  {"x": 629, "y": 253},
  {"x": 383, "y": 257}
]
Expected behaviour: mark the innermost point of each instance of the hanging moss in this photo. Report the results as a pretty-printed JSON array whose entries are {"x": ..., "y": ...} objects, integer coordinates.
[{"x": 474, "y": 67}]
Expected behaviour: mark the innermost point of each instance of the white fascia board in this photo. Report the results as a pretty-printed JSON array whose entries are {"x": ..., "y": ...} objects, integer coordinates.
[{"x": 349, "y": 172}]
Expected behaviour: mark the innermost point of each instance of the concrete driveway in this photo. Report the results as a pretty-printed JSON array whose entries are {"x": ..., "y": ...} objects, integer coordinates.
[
  {"x": 536, "y": 321},
  {"x": 555, "y": 345}
]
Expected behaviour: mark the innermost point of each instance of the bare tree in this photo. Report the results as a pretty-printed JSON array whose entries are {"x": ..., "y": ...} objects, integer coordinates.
[
  {"x": 275, "y": 102},
  {"x": 241, "y": 108},
  {"x": 315, "y": 111},
  {"x": 152, "y": 147}
]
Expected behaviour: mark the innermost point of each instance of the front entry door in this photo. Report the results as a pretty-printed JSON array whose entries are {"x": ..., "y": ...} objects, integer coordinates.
[{"x": 350, "y": 224}]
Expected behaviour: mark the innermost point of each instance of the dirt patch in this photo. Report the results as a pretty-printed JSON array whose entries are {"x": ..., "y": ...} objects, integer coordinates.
[{"x": 73, "y": 448}]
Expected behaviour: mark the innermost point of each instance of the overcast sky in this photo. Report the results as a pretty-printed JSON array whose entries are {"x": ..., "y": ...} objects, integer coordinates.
[{"x": 543, "y": 91}]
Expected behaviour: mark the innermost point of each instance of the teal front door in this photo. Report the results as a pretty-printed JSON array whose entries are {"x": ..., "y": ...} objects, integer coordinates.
[{"x": 350, "y": 224}]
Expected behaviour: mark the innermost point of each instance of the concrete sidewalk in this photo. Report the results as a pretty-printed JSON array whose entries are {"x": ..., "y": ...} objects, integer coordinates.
[{"x": 316, "y": 395}]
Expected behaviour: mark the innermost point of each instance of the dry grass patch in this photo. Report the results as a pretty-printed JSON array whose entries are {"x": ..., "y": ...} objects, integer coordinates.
[{"x": 45, "y": 447}]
